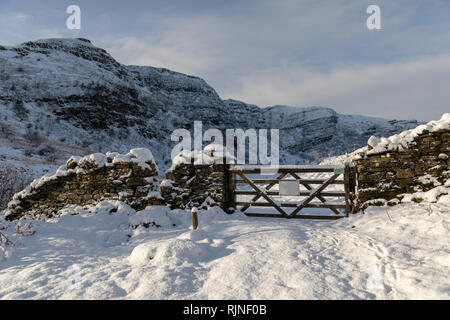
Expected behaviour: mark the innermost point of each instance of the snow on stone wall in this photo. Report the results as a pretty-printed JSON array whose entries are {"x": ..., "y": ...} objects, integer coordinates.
[
  {"x": 197, "y": 178},
  {"x": 412, "y": 161},
  {"x": 132, "y": 178}
]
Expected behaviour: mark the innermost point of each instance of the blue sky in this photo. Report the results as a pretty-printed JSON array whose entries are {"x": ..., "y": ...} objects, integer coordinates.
[{"x": 267, "y": 52}]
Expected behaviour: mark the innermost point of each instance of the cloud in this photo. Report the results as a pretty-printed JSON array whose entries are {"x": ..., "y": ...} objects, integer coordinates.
[
  {"x": 305, "y": 53},
  {"x": 254, "y": 65},
  {"x": 412, "y": 89},
  {"x": 181, "y": 44},
  {"x": 18, "y": 17},
  {"x": 219, "y": 48},
  {"x": 12, "y": 24},
  {"x": 43, "y": 33}
]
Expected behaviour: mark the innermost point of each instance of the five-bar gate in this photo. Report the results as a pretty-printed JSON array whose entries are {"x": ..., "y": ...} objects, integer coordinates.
[{"x": 289, "y": 189}]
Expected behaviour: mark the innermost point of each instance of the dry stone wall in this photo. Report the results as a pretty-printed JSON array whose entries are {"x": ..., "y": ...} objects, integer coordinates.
[
  {"x": 132, "y": 178},
  {"x": 420, "y": 166},
  {"x": 194, "y": 182},
  {"x": 195, "y": 179},
  {"x": 386, "y": 170},
  {"x": 189, "y": 185}
]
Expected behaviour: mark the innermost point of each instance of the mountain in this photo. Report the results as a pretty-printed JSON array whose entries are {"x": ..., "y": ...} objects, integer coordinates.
[{"x": 70, "y": 92}]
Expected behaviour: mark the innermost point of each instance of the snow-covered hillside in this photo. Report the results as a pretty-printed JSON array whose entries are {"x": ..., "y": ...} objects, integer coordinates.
[
  {"x": 112, "y": 252},
  {"x": 71, "y": 92}
]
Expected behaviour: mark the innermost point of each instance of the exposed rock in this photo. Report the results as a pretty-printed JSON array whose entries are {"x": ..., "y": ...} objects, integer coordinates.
[{"x": 81, "y": 95}]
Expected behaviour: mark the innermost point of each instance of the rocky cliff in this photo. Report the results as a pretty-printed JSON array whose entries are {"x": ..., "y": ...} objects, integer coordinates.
[{"x": 71, "y": 91}]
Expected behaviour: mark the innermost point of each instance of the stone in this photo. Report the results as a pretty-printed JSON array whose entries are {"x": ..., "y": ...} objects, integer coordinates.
[
  {"x": 71, "y": 163},
  {"x": 446, "y": 136},
  {"x": 188, "y": 184},
  {"x": 142, "y": 172},
  {"x": 404, "y": 173},
  {"x": 136, "y": 181},
  {"x": 89, "y": 187},
  {"x": 426, "y": 154}
]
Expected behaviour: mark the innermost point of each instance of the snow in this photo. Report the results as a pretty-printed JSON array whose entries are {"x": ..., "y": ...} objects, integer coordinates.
[
  {"x": 157, "y": 215},
  {"x": 114, "y": 252},
  {"x": 60, "y": 74},
  {"x": 402, "y": 140},
  {"x": 211, "y": 154},
  {"x": 428, "y": 178},
  {"x": 120, "y": 158},
  {"x": 98, "y": 158},
  {"x": 433, "y": 195},
  {"x": 141, "y": 156}
]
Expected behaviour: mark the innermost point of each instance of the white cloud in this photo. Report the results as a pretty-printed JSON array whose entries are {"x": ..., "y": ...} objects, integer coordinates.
[
  {"x": 18, "y": 18},
  {"x": 182, "y": 45},
  {"x": 12, "y": 26},
  {"x": 303, "y": 53},
  {"x": 413, "y": 89}
]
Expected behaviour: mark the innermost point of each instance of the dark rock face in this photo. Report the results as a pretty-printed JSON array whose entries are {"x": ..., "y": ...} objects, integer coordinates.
[
  {"x": 78, "y": 93},
  {"x": 421, "y": 167}
]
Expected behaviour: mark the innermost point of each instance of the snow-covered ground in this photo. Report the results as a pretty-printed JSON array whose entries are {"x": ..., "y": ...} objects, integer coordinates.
[{"x": 106, "y": 252}]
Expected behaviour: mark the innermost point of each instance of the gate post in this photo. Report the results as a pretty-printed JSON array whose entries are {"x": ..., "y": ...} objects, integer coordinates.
[
  {"x": 347, "y": 188},
  {"x": 352, "y": 186},
  {"x": 229, "y": 204}
]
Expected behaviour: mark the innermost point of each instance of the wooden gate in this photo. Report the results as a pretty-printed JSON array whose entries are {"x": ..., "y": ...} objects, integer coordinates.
[{"x": 270, "y": 189}]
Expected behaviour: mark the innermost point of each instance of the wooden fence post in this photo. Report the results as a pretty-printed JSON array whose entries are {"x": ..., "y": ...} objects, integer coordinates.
[
  {"x": 228, "y": 189},
  {"x": 347, "y": 187},
  {"x": 353, "y": 182},
  {"x": 194, "y": 218}
]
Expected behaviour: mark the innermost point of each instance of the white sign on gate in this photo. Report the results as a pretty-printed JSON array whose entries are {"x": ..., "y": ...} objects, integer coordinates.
[{"x": 289, "y": 188}]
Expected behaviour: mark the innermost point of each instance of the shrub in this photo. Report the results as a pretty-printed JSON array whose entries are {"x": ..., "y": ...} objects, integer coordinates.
[
  {"x": 12, "y": 180},
  {"x": 33, "y": 136},
  {"x": 20, "y": 110},
  {"x": 6, "y": 131},
  {"x": 47, "y": 151},
  {"x": 28, "y": 152},
  {"x": 4, "y": 76}
]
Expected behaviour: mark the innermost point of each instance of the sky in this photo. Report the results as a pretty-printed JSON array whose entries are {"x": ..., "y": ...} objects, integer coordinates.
[{"x": 271, "y": 52}]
